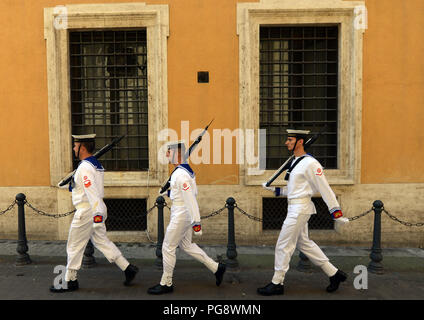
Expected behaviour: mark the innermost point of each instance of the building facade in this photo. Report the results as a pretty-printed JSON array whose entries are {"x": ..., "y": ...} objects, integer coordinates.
[{"x": 161, "y": 70}]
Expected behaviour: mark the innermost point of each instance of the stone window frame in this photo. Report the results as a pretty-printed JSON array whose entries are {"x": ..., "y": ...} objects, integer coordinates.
[
  {"x": 250, "y": 16},
  {"x": 155, "y": 18}
]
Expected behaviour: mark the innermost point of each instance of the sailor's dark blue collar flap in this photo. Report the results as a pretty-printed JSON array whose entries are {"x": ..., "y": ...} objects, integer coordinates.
[{"x": 187, "y": 167}]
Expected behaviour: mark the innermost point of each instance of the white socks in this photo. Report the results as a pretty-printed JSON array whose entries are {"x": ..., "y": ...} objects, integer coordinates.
[
  {"x": 70, "y": 275},
  {"x": 122, "y": 263},
  {"x": 166, "y": 279}
]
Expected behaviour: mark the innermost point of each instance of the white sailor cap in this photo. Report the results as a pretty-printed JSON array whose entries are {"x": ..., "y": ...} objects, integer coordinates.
[
  {"x": 177, "y": 145},
  {"x": 84, "y": 137},
  {"x": 297, "y": 133}
]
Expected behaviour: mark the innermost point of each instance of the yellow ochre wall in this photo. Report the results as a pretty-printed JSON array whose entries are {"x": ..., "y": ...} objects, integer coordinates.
[
  {"x": 203, "y": 38},
  {"x": 393, "y": 92}
]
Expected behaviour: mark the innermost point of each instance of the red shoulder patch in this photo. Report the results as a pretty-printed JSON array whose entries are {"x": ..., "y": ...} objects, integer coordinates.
[
  {"x": 87, "y": 182},
  {"x": 186, "y": 186},
  {"x": 319, "y": 172}
]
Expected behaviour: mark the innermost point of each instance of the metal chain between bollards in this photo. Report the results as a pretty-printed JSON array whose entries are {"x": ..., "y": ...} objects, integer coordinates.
[
  {"x": 405, "y": 223},
  {"x": 12, "y": 205},
  {"x": 61, "y": 215},
  {"x": 260, "y": 220},
  {"x": 214, "y": 213},
  {"x": 40, "y": 212},
  {"x": 246, "y": 214},
  {"x": 408, "y": 224},
  {"x": 361, "y": 215}
]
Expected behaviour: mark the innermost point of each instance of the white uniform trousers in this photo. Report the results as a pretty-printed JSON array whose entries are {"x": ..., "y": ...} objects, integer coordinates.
[
  {"x": 80, "y": 232},
  {"x": 294, "y": 233},
  {"x": 179, "y": 233}
]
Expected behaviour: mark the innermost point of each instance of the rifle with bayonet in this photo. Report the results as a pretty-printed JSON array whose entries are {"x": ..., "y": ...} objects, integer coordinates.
[
  {"x": 186, "y": 156},
  {"x": 97, "y": 155}
]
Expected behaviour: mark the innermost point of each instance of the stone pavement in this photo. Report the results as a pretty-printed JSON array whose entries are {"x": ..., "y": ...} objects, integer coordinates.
[{"x": 403, "y": 278}]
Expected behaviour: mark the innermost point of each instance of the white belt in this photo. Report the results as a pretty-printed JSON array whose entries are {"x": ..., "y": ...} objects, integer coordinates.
[
  {"x": 299, "y": 200},
  {"x": 178, "y": 203},
  {"x": 82, "y": 205}
]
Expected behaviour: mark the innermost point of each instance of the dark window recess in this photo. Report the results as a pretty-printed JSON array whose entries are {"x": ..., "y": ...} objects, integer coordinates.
[
  {"x": 299, "y": 89},
  {"x": 275, "y": 212},
  {"x": 203, "y": 77},
  {"x": 126, "y": 214},
  {"x": 109, "y": 94}
]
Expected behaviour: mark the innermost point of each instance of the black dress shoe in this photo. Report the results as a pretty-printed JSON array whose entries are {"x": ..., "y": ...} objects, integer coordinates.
[
  {"x": 219, "y": 274},
  {"x": 130, "y": 273},
  {"x": 159, "y": 289},
  {"x": 72, "y": 286},
  {"x": 335, "y": 280},
  {"x": 271, "y": 289}
]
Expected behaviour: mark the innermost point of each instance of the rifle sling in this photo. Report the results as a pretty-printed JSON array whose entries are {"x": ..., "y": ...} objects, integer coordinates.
[{"x": 292, "y": 167}]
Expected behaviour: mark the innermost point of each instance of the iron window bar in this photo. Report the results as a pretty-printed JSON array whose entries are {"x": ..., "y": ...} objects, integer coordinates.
[
  {"x": 299, "y": 88},
  {"x": 109, "y": 93}
]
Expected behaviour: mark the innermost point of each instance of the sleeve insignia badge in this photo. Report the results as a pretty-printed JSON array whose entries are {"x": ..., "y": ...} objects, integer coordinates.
[
  {"x": 337, "y": 214},
  {"x": 87, "y": 182},
  {"x": 186, "y": 186},
  {"x": 98, "y": 219}
]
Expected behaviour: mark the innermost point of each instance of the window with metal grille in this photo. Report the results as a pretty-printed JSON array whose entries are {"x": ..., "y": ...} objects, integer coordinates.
[
  {"x": 274, "y": 212},
  {"x": 126, "y": 214},
  {"x": 108, "y": 71},
  {"x": 299, "y": 89}
]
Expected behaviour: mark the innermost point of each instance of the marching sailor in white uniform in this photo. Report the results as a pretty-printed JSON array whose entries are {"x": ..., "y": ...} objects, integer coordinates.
[
  {"x": 185, "y": 218},
  {"x": 89, "y": 220},
  {"x": 305, "y": 178}
]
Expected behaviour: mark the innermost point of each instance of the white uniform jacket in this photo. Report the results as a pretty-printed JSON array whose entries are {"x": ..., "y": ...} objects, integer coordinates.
[
  {"x": 88, "y": 191},
  {"x": 183, "y": 191},
  {"x": 306, "y": 179}
]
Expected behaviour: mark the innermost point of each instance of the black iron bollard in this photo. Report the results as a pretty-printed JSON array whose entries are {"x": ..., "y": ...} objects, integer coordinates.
[
  {"x": 160, "y": 201},
  {"x": 88, "y": 260},
  {"x": 22, "y": 249},
  {"x": 304, "y": 264},
  {"x": 231, "y": 247},
  {"x": 375, "y": 265}
]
